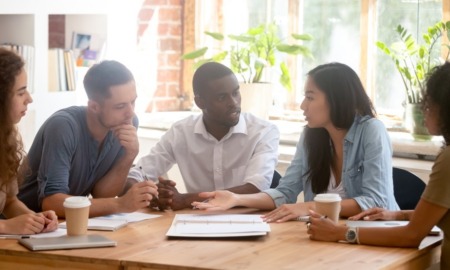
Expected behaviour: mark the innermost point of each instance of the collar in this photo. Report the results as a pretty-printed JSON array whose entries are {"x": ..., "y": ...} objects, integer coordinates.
[
  {"x": 241, "y": 127},
  {"x": 351, "y": 134}
]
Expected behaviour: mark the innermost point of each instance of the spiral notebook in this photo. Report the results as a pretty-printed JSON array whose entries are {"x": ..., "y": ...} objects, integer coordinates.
[{"x": 67, "y": 242}]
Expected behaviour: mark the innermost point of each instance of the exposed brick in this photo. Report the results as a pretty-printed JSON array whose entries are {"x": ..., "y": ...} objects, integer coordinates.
[
  {"x": 173, "y": 90},
  {"x": 170, "y": 44},
  {"x": 170, "y": 14},
  {"x": 146, "y": 14},
  {"x": 175, "y": 3},
  {"x": 160, "y": 91},
  {"x": 142, "y": 28},
  {"x": 163, "y": 29},
  {"x": 168, "y": 75},
  {"x": 162, "y": 60},
  {"x": 155, "y": 2},
  {"x": 175, "y": 29},
  {"x": 173, "y": 60}
]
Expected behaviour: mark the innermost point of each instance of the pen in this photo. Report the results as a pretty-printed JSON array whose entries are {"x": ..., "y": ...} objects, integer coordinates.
[
  {"x": 205, "y": 201},
  {"x": 144, "y": 175}
]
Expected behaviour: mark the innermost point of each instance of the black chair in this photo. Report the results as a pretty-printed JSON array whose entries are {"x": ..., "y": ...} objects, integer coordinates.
[
  {"x": 275, "y": 179},
  {"x": 407, "y": 188}
]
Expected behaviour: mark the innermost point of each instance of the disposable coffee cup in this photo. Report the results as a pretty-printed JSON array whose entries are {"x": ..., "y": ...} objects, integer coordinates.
[
  {"x": 328, "y": 204},
  {"x": 77, "y": 214}
]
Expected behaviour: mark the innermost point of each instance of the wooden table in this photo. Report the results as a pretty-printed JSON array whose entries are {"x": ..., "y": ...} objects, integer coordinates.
[{"x": 143, "y": 245}]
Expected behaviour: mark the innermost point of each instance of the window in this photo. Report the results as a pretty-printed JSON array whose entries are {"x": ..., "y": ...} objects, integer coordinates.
[{"x": 343, "y": 30}]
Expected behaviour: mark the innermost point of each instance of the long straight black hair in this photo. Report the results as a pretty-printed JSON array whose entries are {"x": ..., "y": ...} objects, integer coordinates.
[{"x": 347, "y": 98}]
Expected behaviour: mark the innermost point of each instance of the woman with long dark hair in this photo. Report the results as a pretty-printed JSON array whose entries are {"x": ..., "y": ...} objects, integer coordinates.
[{"x": 433, "y": 207}]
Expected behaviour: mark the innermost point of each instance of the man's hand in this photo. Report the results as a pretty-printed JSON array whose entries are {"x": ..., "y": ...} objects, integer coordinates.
[
  {"x": 127, "y": 136},
  {"x": 216, "y": 200},
  {"x": 138, "y": 196},
  {"x": 169, "y": 196}
]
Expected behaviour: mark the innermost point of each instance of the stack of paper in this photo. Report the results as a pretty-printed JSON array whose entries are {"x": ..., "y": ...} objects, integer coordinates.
[{"x": 198, "y": 225}]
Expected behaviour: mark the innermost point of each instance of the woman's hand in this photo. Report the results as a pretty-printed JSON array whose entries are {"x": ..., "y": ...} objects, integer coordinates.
[
  {"x": 375, "y": 214},
  {"x": 286, "y": 212},
  {"x": 321, "y": 228},
  {"x": 51, "y": 221},
  {"x": 216, "y": 200},
  {"x": 24, "y": 224}
]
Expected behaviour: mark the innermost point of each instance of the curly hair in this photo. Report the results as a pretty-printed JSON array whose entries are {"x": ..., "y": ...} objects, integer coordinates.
[
  {"x": 438, "y": 92},
  {"x": 11, "y": 147}
]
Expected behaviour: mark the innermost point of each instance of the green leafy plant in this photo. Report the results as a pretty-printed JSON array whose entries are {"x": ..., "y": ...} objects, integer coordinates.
[
  {"x": 250, "y": 53},
  {"x": 414, "y": 61}
]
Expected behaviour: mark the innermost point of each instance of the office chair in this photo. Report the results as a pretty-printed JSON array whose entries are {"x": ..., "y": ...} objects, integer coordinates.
[
  {"x": 275, "y": 179},
  {"x": 407, "y": 188}
]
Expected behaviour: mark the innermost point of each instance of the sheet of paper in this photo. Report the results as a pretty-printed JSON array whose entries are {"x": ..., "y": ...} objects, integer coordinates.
[
  {"x": 56, "y": 233},
  {"x": 130, "y": 217},
  {"x": 195, "y": 225}
]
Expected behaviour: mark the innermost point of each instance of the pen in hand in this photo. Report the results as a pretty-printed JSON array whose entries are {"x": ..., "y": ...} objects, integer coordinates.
[{"x": 144, "y": 175}]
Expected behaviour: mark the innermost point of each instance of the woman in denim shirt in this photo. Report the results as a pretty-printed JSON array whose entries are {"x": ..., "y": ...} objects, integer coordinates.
[{"x": 343, "y": 149}]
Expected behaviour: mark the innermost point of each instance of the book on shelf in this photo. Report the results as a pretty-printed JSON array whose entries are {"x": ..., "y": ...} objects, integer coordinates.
[
  {"x": 61, "y": 70},
  {"x": 27, "y": 54}
]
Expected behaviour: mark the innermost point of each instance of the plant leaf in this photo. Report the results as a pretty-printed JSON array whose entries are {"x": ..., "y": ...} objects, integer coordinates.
[
  {"x": 242, "y": 38},
  {"x": 285, "y": 78},
  {"x": 302, "y": 36},
  {"x": 195, "y": 54},
  {"x": 215, "y": 35}
]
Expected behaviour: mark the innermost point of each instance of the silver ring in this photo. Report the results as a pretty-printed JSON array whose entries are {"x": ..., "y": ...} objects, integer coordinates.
[{"x": 308, "y": 224}]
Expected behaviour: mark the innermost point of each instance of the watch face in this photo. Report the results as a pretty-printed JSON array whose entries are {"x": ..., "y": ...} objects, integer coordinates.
[{"x": 351, "y": 235}]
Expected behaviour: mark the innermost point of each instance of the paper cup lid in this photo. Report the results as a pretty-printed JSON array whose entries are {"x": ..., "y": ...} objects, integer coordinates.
[
  {"x": 327, "y": 197},
  {"x": 76, "y": 202}
]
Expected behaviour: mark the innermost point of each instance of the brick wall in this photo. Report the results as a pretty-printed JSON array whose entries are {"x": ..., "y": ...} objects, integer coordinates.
[{"x": 168, "y": 13}]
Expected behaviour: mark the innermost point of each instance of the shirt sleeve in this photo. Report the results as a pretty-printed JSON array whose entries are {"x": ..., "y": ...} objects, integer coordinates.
[
  {"x": 291, "y": 184},
  {"x": 260, "y": 168},
  {"x": 438, "y": 187},
  {"x": 58, "y": 146},
  {"x": 376, "y": 185},
  {"x": 158, "y": 162}
]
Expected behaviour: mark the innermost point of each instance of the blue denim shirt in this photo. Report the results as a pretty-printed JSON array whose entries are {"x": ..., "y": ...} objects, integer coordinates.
[{"x": 366, "y": 172}]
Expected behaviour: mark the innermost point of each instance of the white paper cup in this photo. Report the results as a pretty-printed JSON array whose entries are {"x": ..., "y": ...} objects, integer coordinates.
[
  {"x": 77, "y": 214},
  {"x": 328, "y": 204}
]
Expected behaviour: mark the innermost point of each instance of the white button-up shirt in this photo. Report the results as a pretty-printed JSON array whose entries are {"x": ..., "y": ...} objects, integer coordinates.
[{"x": 248, "y": 153}]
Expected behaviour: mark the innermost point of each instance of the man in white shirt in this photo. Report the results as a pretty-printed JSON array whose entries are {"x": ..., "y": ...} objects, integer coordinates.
[{"x": 220, "y": 149}]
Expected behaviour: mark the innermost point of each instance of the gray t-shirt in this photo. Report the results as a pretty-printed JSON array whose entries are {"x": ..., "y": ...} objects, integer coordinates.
[{"x": 65, "y": 158}]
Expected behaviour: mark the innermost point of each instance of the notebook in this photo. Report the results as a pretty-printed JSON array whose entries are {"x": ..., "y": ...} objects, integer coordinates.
[
  {"x": 211, "y": 225},
  {"x": 385, "y": 223},
  {"x": 67, "y": 242}
]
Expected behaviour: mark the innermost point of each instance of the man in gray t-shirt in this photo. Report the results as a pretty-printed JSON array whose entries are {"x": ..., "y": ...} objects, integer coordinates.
[{"x": 81, "y": 151}]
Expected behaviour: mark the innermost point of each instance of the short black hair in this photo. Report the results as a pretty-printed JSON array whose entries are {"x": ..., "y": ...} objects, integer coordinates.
[
  {"x": 100, "y": 77},
  {"x": 208, "y": 72}
]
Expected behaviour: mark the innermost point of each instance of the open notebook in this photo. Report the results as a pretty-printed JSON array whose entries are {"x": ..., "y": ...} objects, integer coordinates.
[{"x": 67, "y": 242}]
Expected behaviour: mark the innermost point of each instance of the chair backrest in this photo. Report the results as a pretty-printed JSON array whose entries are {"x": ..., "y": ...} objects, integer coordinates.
[
  {"x": 407, "y": 188},
  {"x": 275, "y": 179}
]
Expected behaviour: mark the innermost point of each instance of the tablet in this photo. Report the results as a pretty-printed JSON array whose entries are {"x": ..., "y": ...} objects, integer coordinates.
[
  {"x": 386, "y": 223},
  {"x": 67, "y": 242}
]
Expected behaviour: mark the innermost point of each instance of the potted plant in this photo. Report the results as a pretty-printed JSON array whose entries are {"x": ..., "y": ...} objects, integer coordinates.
[
  {"x": 250, "y": 53},
  {"x": 414, "y": 61}
]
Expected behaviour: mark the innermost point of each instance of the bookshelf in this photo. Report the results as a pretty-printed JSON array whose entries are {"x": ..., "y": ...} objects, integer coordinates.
[{"x": 26, "y": 22}]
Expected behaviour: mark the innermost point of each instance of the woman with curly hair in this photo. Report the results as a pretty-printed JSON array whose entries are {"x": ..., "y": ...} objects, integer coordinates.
[
  {"x": 433, "y": 207},
  {"x": 14, "y": 98}
]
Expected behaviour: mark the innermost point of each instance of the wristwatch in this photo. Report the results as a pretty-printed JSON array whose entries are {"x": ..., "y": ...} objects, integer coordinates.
[{"x": 351, "y": 236}]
